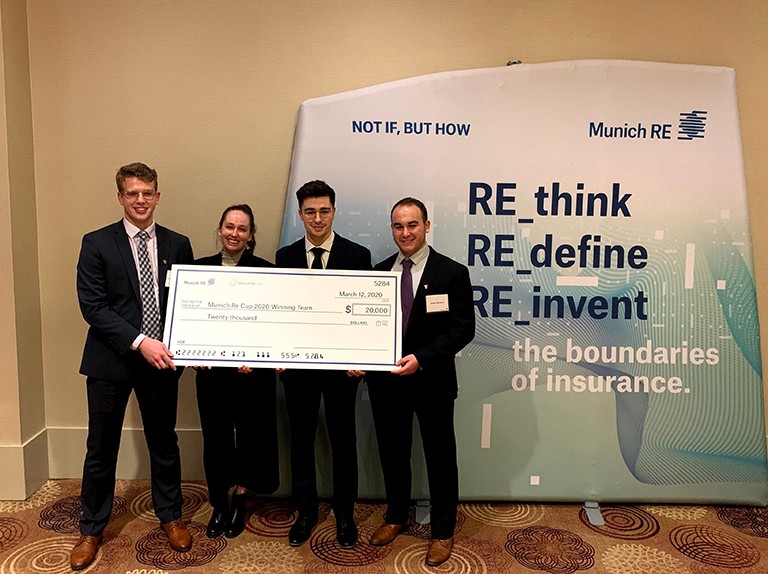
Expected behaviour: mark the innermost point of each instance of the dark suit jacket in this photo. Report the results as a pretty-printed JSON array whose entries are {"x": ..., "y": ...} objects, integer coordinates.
[
  {"x": 110, "y": 299},
  {"x": 247, "y": 259},
  {"x": 435, "y": 338},
  {"x": 345, "y": 254}
]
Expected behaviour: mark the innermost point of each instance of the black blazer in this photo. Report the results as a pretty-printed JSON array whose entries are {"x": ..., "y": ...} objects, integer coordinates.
[
  {"x": 110, "y": 299},
  {"x": 345, "y": 254},
  {"x": 247, "y": 259},
  {"x": 435, "y": 338}
]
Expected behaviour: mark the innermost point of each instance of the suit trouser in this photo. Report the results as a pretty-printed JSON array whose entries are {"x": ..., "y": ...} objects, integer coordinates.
[
  {"x": 238, "y": 421},
  {"x": 394, "y": 406},
  {"x": 157, "y": 397},
  {"x": 302, "y": 401}
]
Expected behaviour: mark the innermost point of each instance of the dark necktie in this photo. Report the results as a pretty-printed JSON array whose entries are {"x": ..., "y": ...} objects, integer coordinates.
[
  {"x": 150, "y": 317},
  {"x": 406, "y": 292},
  {"x": 317, "y": 262}
]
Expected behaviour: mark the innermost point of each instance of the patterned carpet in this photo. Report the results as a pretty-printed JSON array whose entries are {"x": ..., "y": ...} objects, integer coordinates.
[{"x": 36, "y": 536}]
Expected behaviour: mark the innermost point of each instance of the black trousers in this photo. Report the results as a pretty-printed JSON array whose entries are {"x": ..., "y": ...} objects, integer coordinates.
[
  {"x": 238, "y": 417},
  {"x": 157, "y": 395},
  {"x": 303, "y": 395},
  {"x": 394, "y": 405}
]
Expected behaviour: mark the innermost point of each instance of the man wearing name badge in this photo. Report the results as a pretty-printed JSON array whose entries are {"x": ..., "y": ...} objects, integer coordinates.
[
  {"x": 321, "y": 248},
  {"x": 121, "y": 289},
  {"x": 438, "y": 321}
]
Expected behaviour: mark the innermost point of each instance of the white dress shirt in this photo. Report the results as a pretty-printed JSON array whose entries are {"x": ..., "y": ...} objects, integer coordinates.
[
  {"x": 327, "y": 244},
  {"x": 419, "y": 262}
]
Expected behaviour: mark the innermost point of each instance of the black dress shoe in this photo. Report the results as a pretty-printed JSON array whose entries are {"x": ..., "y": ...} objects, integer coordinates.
[
  {"x": 236, "y": 521},
  {"x": 301, "y": 529},
  {"x": 217, "y": 523},
  {"x": 346, "y": 532}
]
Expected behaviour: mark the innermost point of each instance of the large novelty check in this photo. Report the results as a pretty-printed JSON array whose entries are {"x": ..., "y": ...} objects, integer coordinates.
[{"x": 293, "y": 318}]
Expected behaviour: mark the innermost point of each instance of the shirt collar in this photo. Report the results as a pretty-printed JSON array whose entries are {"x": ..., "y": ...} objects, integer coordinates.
[
  {"x": 327, "y": 244},
  {"x": 418, "y": 258},
  {"x": 225, "y": 256},
  {"x": 132, "y": 230}
]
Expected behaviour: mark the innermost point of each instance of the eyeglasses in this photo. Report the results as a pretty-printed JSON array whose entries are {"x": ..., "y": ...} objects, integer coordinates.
[
  {"x": 131, "y": 195},
  {"x": 324, "y": 213}
]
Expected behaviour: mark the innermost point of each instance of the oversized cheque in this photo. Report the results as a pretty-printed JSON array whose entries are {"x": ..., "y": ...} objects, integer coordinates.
[{"x": 293, "y": 318}]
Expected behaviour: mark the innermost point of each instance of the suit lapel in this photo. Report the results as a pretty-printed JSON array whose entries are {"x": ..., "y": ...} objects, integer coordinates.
[
  {"x": 123, "y": 243},
  {"x": 216, "y": 259},
  {"x": 387, "y": 264},
  {"x": 299, "y": 255},
  {"x": 163, "y": 258},
  {"x": 336, "y": 256},
  {"x": 430, "y": 272}
]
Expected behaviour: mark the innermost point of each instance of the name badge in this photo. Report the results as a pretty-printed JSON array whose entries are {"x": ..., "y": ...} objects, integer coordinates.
[{"x": 437, "y": 303}]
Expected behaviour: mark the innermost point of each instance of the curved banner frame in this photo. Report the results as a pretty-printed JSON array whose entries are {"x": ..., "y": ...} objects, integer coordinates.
[{"x": 601, "y": 208}]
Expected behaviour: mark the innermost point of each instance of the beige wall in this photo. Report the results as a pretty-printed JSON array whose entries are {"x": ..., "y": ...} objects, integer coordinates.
[
  {"x": 23, "y": 456},
  {"x": 207, "y": 93}
]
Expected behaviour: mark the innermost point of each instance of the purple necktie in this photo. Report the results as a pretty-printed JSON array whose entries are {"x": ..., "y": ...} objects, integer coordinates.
[{"x": 406, "y": 292}]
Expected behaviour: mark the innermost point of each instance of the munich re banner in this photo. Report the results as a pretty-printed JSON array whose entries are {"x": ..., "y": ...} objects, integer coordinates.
[{"x": 601, "y": 209}]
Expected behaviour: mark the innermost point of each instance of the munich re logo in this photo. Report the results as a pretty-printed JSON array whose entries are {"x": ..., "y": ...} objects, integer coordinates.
[
  {"x": 212, "y": 281},
  {"x": 692, "y": 125}
]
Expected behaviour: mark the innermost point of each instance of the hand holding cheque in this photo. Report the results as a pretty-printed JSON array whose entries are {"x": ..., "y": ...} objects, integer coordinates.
[{"x": 295, "y": 318}]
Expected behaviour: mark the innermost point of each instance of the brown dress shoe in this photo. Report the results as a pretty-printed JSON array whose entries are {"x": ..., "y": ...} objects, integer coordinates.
[
  {"x": 385, "y": 534},
  {"x": 439, "y": 551},
  {"x": 178, "y": 535},
  {"x": 84, "y": 552}
]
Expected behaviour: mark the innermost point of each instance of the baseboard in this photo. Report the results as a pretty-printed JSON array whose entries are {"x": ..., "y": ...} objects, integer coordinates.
[
  {"x": 66, "y": 447},
  {"x": 25, "y": 467}
]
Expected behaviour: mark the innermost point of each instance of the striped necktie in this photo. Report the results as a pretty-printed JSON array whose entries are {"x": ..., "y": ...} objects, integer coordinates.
[{"x": 150, "y": 316}]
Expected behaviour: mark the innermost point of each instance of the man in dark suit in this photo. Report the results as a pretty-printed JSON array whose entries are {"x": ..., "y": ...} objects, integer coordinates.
[
  {"x": 121, "y": 276},
  {"x": 438, "y": 321},
  {"x": 321, "y": 248}
]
